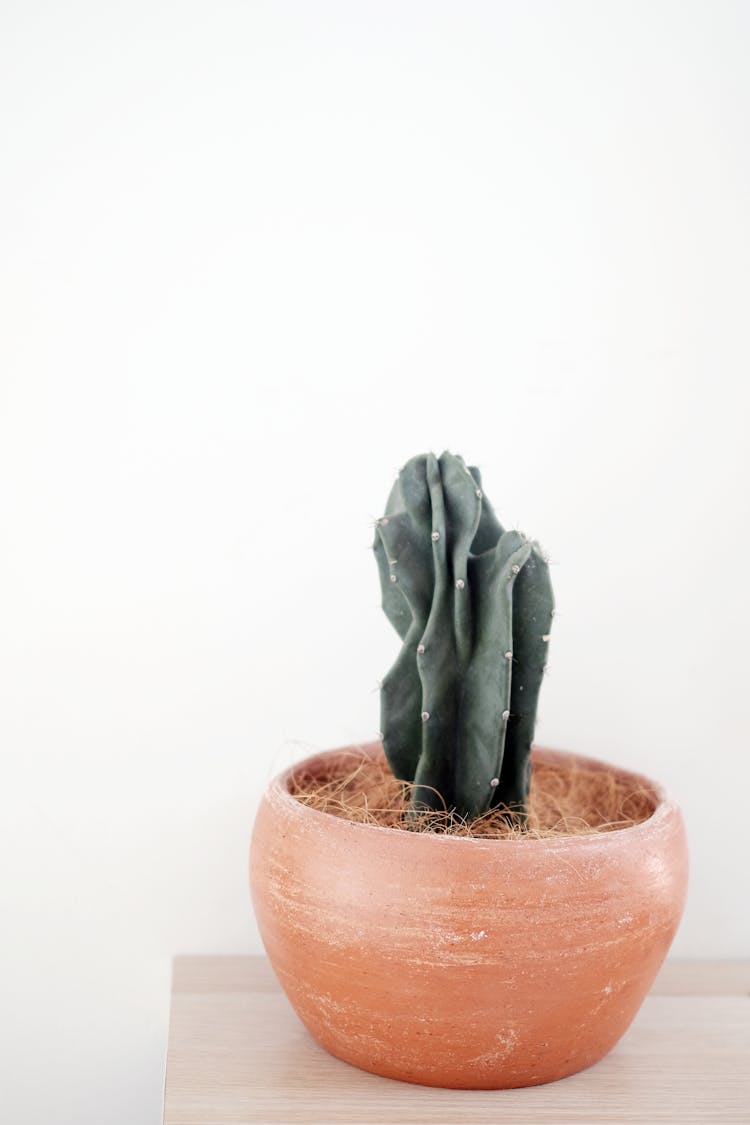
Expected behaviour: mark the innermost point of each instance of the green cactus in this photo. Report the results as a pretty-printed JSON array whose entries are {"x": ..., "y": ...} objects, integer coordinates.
[{"x": 473, "y": 606}]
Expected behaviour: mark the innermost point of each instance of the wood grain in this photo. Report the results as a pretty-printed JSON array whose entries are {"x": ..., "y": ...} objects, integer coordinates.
[{"x": 238, "y": 1055}]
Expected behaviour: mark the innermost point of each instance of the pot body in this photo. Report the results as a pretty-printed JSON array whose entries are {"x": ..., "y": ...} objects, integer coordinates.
[{"x": 461, "y": 962}]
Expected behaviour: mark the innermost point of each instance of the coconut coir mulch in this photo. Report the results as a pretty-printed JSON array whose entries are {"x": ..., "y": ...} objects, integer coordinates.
[{"x": 565, "y": 800}]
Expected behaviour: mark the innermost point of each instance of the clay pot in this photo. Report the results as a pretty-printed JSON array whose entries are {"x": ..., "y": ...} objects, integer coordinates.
[{"x": 461, "y": 962}]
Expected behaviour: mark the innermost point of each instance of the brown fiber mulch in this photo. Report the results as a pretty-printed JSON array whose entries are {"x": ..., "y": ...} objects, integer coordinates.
[{"x": 565, "y": 800}]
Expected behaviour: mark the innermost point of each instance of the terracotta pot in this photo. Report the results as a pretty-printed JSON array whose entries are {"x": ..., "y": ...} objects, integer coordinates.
[{"x": 461, "y": 962}]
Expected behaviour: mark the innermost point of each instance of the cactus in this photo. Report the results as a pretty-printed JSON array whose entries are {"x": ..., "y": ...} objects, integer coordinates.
[{"x": 473, "y": 606}]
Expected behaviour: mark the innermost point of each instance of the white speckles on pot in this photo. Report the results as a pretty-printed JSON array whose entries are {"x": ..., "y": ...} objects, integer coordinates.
[{"x": 503, "y": 1044}]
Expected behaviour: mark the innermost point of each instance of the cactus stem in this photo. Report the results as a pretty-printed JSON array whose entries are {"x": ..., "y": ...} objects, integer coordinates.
[{"x": 468, "y": 591}]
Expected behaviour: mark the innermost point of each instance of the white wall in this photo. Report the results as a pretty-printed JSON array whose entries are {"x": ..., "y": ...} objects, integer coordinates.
[{"x": 255, "y": 255}]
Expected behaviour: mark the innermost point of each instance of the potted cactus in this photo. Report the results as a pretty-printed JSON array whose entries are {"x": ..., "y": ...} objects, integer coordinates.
[{"x": 457, "y": 958}]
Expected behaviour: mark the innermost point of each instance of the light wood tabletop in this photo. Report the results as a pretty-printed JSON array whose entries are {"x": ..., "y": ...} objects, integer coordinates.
[{"x": 238, "y": 1055}]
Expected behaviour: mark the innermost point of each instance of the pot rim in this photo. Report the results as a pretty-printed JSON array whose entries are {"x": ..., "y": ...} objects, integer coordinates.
[{"x": 664, "y": 807}]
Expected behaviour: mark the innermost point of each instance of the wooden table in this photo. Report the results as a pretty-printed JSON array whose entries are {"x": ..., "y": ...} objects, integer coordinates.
[{"x": 238, "y": 1054}]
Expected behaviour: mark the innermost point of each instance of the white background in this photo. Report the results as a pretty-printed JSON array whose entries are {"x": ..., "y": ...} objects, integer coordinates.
[{"x": 254, "y": 256}]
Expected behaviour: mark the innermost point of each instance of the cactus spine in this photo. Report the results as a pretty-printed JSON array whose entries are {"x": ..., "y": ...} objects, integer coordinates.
[{"x": 473, "y": 606}]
